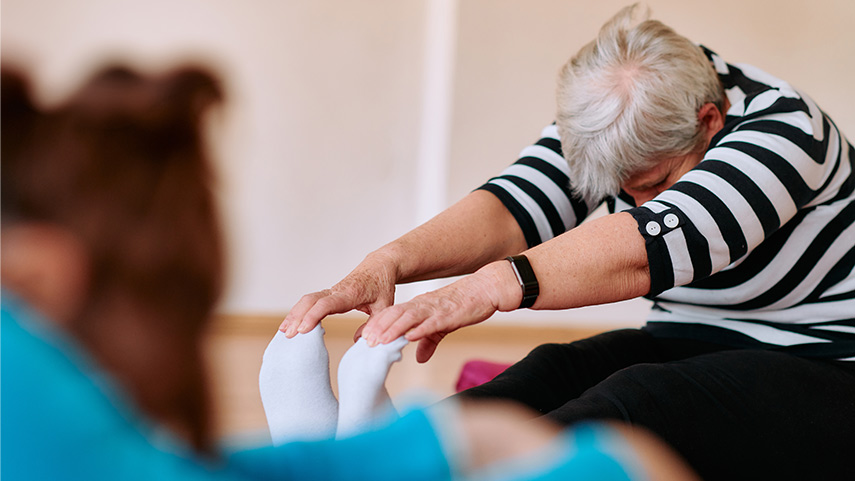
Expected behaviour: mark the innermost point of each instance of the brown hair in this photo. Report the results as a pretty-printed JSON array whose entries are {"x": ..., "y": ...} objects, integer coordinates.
[{"x": 123, "y": 166}]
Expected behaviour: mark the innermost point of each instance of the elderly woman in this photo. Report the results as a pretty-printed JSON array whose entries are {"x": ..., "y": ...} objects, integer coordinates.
[{"x": 732, "y": 205}]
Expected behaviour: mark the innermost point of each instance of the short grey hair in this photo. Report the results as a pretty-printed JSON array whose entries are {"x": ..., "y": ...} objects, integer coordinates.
[{"x": 629, "y": 99}]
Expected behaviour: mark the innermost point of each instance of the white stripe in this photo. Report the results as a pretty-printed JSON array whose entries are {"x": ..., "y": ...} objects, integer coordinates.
[
  {"x": 799, "y": 120},
  {"x": 550, "y": 131},
  {"x": 846, "y": 329},
  {"x": 843, "y": 171},
  {"x": 720, "y": 65},
  {"x": 841, "y": 245},
  {"x": 815, "y": 115},
  {"x": 548, "y": 155},
  {"x": 765, "y": 179},
  {"x": 782, "y": 263},
  {"x": 530, "y": 206},
  {"x": 741, "y": 208},
  {"x": 737, "y": 101},
  {"x": 767, "y": 334},
  {"x": 656, "y": 207},
  {"x": 548, "y": 187},
  {"x": 846, "y": 285},
  {"x": 681, "y": 262},
  {"x": 804, "y": 314},
  {"x": 762, "y": 101},
  {"x": 812, "y": 173}
]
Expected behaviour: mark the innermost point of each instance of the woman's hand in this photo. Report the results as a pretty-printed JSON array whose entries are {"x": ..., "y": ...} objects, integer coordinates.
[
  {"x": 369, "y": 288},
  {"x": 429, "y": 317}
]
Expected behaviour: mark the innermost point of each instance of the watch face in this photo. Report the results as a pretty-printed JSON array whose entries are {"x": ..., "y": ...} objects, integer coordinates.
[{"x": 526, "y": 278}]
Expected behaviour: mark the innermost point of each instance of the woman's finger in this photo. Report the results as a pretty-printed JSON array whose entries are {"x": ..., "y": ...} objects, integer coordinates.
[
  {"x": 333, "y": 303},
  {"x": 427, "y": 347},
  {"x": 392, "y": 323},
  {"x": 295, "y": 316}
]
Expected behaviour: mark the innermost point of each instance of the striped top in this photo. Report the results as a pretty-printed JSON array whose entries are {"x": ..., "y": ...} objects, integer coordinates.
[{"x": 754, "y": 247}]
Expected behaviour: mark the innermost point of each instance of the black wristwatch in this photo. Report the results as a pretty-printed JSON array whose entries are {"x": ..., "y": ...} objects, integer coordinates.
[{"x": 527, "y": 279}]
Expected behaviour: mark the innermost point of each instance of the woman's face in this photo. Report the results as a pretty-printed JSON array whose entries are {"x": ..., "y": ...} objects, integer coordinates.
[{"x": 646, "y": 185}]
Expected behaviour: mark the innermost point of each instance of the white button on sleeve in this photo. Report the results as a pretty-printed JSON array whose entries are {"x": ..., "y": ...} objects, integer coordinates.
[
  {"x": 653, "y": 228},
  {"x": 671, "y": 221}
]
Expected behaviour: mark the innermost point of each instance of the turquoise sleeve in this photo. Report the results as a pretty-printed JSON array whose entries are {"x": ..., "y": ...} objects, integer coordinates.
[{"x": 408, "y": 449}]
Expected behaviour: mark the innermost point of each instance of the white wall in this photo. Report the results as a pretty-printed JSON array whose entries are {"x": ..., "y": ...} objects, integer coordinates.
[{"x": 321, "y": 148}]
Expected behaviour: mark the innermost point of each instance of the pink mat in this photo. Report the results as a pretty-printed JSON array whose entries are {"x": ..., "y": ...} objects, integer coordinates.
[{"x": 474, "y": 373}]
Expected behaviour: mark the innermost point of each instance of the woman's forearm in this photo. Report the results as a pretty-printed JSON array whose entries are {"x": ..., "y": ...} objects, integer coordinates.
[
  {"x": 473, "y": 232},
  {"x": 598, "y": 262},
  {"x": 601, "y": 261}
]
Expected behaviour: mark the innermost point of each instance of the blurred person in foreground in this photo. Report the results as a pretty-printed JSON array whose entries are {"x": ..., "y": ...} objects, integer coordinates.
[
  {"x": 732, "y": 200},
  {"x": 112, "y": 261}
]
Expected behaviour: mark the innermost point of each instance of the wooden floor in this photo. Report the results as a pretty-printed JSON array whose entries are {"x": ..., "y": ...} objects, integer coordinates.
[{"x": 235, "y": 346}]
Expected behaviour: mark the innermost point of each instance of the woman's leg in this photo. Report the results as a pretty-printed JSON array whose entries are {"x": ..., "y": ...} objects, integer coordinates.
[
  {"x": 553, "y": 374},
  {"x": 739, "y": 414}
]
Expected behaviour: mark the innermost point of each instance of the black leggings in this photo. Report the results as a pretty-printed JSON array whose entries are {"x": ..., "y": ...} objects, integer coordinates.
[{"x": 731, "y": 413}]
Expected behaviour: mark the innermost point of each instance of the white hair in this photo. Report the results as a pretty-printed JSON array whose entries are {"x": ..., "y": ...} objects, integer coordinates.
[{"x": 630, "y": 98}]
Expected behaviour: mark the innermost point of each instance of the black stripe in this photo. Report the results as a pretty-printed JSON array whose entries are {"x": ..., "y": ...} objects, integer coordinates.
[
  {"x": 543, "y": 201},
  {"x": 843, "y": 296},
  {"x": 841, "y": 347},
  {"x": 848, "y": 186},
  {"x": 580, "y": 208},
  {"x": 806, "y": 329},
  {"x": 804, "y": 264},
  {"x": 699, "y": 253},
  {"x": 727, "y": 224},
  {"x": 757, "y": 260},
  {"x": 840, "y": 271},
  {"x": 659, "y": 261},
  {"x": 762, "y": 206},
  {"x": 704, "y": 332},
  {"x": 736, "y": 78},
  {"x": 526, "y": 223},
  {"x": 781, "y": 105},
  {"x": 626, "y": 198},
  {"x": 788, "y": 175},
  {"x": 816, "y": 150},
  {"x": 551, "y": 144},
  {"x": 554, "y": 173}
]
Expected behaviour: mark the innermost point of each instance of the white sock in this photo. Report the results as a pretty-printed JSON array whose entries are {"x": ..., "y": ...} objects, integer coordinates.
[
  {"x": 295, "y": 387},
  {"x": 364, "y": 402}
]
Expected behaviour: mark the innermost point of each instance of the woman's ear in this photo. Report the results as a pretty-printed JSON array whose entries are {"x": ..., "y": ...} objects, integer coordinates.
[
  {"x": 48, "y": 267},
  {"x": 712, "y": 119}
]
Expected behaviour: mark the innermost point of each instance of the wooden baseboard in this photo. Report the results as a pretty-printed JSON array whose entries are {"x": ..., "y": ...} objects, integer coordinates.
[{"x": 344, "y": 325}]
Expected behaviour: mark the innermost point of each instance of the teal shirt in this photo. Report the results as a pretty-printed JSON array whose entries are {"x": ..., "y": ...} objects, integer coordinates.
[{"x": 64, "y": 418}]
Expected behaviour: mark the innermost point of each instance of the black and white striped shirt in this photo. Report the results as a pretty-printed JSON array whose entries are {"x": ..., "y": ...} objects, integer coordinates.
[{"x": 755, "y": 247}]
